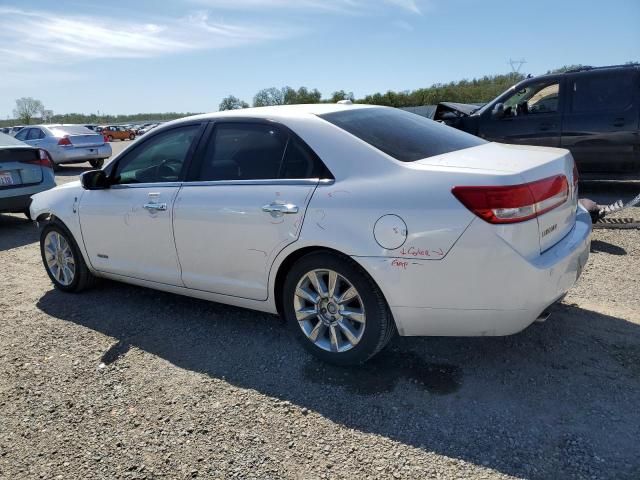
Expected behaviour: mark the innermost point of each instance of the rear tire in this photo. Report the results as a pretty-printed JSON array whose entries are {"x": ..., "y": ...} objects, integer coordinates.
[
  {"x": 132, "y": 137},
  {"x": 331, "y": 327},
  {"x": 97, "y": 163},
  {"x": 62, "y": 259}
]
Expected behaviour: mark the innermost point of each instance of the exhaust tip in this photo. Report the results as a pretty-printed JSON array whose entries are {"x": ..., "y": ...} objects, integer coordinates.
[{"x": 543, "y": 316}]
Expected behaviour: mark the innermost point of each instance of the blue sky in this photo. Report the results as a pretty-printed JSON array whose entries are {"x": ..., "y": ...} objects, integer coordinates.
[{"x": 124, "y": 56}]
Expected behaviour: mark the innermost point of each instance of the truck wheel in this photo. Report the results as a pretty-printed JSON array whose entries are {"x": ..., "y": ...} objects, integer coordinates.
[
  {"x": 98, "y": 163},
  {"x": 335, "y": 309}
]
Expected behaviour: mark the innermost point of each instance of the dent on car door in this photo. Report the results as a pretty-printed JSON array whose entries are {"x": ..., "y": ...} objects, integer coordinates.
[
  {"x": 127, "y": 228},
  {"x": 245, "y": 204},
  {"x": 531, "y": 116}
]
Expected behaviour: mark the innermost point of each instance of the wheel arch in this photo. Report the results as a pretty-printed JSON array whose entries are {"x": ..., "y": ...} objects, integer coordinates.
[{"x": 292, "y": 257}]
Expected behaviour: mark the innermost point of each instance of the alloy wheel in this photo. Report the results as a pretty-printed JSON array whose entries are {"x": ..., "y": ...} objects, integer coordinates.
[
  {"x": 329, "y": 310},
  {"x": 59, "y": 258}
]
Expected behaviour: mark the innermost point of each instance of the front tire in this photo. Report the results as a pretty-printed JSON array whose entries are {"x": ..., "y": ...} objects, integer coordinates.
[
  {"x": 335, "y": 309},
  {"x": 62, "y": 259},
  {"x": 97, "y": 163}
]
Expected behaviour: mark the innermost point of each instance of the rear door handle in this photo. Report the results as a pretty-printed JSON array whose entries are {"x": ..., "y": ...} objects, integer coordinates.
[
  {"x": 618, "y": 122},
  {"x": 278, "y": 209},
  {"x": 155, "y": 207}
]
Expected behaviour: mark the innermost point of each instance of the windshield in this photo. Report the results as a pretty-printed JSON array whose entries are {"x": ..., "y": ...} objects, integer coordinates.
[{"x": 404, "y": 136}]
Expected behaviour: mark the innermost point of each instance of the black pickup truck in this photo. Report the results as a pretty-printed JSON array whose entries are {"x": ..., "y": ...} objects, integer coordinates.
[{"x": 593, "y": 112}]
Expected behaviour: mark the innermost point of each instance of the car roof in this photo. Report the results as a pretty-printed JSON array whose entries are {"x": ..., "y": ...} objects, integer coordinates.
[
  {"x": 583, "y": 70},
  {"x": 279, "y": 111}
]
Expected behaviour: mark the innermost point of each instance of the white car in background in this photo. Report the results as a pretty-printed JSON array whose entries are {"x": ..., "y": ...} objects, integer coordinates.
[
  {"x": 67, "y": 143},
  {"x": 354, "y": 222}
]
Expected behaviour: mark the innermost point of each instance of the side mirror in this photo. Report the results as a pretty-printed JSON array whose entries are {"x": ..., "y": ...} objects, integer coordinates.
[
  {"x": 498, "y": 110},
  {"x": 94, "y": 180}
]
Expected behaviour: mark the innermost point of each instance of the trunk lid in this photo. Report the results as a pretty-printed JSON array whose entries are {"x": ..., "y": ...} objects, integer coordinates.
[
  {"x": 527, "y": 164},
  {"x": 15, "y": 171}
]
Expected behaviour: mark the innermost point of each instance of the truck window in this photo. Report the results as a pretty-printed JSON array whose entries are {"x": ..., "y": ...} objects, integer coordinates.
[
  {"x": 541, "y": 97},
  {"x": 596, "y": 93}
]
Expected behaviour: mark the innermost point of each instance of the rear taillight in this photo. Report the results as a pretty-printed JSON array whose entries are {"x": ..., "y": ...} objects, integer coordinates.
[
  {"x": 576, "y": 177},
  {"x": 105, "y": 138},
  {"x": 43, "y": 160},
  {"x": 514, "y": 203},
  {"x": 64, "y": 141}
]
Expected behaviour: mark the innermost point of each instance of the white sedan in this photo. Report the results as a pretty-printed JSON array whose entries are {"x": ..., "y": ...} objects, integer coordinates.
[{"x": 353, "y": 222}]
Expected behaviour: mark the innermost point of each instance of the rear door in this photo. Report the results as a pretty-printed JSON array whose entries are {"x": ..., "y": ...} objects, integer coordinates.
[
  {"x": 532, "y": 116},
  {"x": 245, "y": 203},
  {"x": 601, "y": 122}
]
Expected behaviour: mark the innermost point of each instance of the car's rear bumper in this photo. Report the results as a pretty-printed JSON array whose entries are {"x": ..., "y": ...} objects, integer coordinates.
[
  {"x": 80, "y": 154},
  {"x": 18, "y": 199},
  {"x": 483, "y": 286}
]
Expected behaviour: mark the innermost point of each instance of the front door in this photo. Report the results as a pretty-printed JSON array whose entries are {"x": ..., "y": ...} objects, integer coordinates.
[
  {"x": 127, "y": 229},
  {"x": 532, "y": 116},
  {"x": 246, "y": 203}
]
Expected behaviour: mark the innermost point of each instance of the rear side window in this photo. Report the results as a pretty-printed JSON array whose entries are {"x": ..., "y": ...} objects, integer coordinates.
[
  {"x": 253, "y": 151},
  {"x": 602, "y": 92},
  {"x": 404, "y": 136},
  {"x": 35, "y": 134}
]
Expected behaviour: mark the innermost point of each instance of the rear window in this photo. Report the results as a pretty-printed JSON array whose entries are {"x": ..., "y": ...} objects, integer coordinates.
[
  {"x": 71, "y": 130},
  {"x": 404, "y": 136},
  {"x": 18, "y": 155}
]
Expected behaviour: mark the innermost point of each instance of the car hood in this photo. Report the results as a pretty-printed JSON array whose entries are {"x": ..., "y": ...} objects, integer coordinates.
[{"x": 462, "y": 109}]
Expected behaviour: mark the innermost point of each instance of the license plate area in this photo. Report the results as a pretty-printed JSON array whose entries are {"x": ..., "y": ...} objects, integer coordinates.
[{"x": 6, "y": 179}]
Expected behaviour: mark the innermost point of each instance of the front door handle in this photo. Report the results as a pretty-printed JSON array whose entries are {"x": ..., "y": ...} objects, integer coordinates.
[
  {"x": 277, "y": 209},
  {"x": 155, "y": 207}
]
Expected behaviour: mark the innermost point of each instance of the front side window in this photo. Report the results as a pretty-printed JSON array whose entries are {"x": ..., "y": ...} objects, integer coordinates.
[
  {"x": 159, "y": 159},
  {"x": 602, "y": 92},
  {"x": 541, "y": 97},
  {"x": 402, "y": 135},
  {"x": 22, "y": 134}
]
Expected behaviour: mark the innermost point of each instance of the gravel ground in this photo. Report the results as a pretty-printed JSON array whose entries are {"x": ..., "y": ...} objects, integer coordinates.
[{"x": 125, "y": 382}]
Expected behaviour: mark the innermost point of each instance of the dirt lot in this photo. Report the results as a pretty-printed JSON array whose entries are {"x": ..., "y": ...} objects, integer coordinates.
[{"x": 125, "y": 382}]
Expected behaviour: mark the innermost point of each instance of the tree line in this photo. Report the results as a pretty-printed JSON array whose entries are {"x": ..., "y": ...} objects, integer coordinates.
[
  {"x": 463, "y": 91},
  {"x": 477, "y": 90}
]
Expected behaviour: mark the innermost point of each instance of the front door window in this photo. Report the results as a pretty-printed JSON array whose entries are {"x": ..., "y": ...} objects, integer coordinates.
[{"x": 533, "y": 99}]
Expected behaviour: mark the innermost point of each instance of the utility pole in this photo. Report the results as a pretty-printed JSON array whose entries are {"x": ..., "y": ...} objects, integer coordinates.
[{"x": 516, "y": 65}]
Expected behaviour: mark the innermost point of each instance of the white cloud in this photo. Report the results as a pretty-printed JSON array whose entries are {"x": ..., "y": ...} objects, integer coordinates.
[
  {"x": 402, "y": 25},
  {"x": 336, "y": 6},
  {"x": 29, "y": 36}
]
